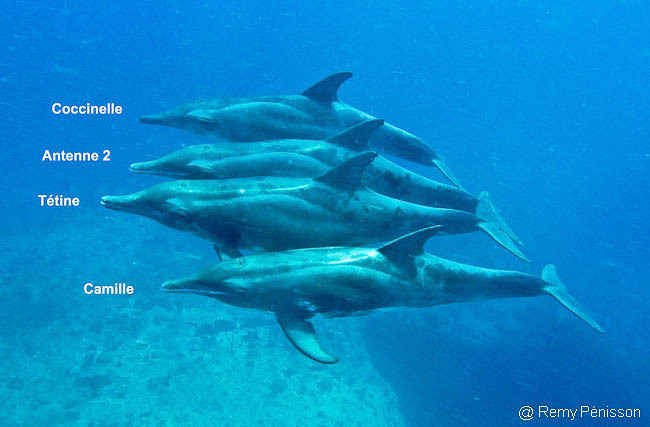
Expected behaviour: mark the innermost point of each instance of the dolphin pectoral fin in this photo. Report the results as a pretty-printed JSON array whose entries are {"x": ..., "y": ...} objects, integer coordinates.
[
  {"x": 226, "y": 252},
  {"x": 499, "y": 236},
  {"x": 327, "y": 89},
  {"x": 486, "y": 210},
  {"x": 556, "y": 288},
  {"x": 302, "y": 335},
  {"x": 216, "y": 249},
  {"x": 403, "y": 250},
  {"x": 444, "y": 169},
  {"x": 356, "y": 137},
  {"x": 348, "y": 176},
  {"x": 226, "y": 238},
  {"x": 233, "y": 253}
]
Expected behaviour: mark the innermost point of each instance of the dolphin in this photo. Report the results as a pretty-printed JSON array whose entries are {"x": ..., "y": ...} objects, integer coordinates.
[
  {"x": 311, "y": 158},
  {"x": 277, "y": 213},
  {"x": 316, "y": 113},
  {"x": 331, "y": 282}
]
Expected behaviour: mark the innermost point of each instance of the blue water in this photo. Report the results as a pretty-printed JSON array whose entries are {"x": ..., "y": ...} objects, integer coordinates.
[{"x": 544, "y": 104}]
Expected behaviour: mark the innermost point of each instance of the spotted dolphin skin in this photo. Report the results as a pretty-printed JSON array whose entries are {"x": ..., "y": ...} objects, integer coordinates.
[
  {"x": 274, "y": 213},
  {"x": 300, "y": 284},
  {"x": 311, "y": 158},
  {"x": 317, "y": 113}
]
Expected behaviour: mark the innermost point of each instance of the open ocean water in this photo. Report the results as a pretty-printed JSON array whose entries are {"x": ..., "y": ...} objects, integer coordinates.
[{"x": 543, "y": 103}]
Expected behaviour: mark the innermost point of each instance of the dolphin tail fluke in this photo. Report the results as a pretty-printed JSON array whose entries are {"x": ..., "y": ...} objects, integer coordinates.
[
  {"x": 485, "y": 209},
  {"x": 492, "y": 225},
  {"x": 302, "y": 335},
  {"x": 502, "y": 238},
  {"x": 444, "y": 169},
  {"x": 556, "y": 288}
]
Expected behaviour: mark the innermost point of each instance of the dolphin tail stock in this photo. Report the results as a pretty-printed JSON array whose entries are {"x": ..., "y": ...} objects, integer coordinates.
[
  {"x": 444, "y": 169},
  {"x": 485, "y": 209},
  {"x": 557, "y": 290}
]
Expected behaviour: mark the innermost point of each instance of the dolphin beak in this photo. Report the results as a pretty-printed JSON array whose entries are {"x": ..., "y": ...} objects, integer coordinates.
[
  {"x": 188, "y": 287},
  {"x": 154, "y": 119},
  {"x": 117, "y": 203},
  {"x": 142, "y": 167},
  {"x": 172, "y": 286}
]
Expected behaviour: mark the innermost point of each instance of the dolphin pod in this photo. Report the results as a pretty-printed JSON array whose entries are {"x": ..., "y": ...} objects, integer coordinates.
[
  {"x": 316, "y": 113},
  {"x": 295, "y": 180},
  {"x": 300, "y": 284},
  {"x": 278, "y": 213},
  {"x": 310, "y": 158}
]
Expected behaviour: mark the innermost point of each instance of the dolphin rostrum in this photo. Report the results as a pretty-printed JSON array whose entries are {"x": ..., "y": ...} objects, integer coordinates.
[
  {"x": 316, "y": 113},
  {"x": 275, "y": 213},
  {"x": 300, "y": 284},
  {"x": 311, "y": 158}
]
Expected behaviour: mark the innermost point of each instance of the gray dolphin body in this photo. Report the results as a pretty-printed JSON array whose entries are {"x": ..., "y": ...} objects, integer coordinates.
[
  {"x": 274, "y": 213},
  {"x": 334, "y": 282},
  {"x": 311, "y": 158},
  {"x": 316, "y": 113}
]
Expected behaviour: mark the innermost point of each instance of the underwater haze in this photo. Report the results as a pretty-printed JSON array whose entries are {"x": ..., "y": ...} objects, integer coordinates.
[{"x": 545, "y": 104}]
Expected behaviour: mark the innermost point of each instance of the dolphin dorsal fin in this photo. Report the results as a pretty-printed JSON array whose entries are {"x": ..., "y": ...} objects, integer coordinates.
[
  {"x": 302, "y": 335},
  {"x": 356, "y": 137},
  {"x": 327, "y": 89},
  {"x": 402, "y": 250},
  {"x": 348, "y": 175}
]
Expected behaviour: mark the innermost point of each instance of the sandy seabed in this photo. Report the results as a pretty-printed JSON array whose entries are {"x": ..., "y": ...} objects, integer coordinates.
[{"x": 154, "y": 358}]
